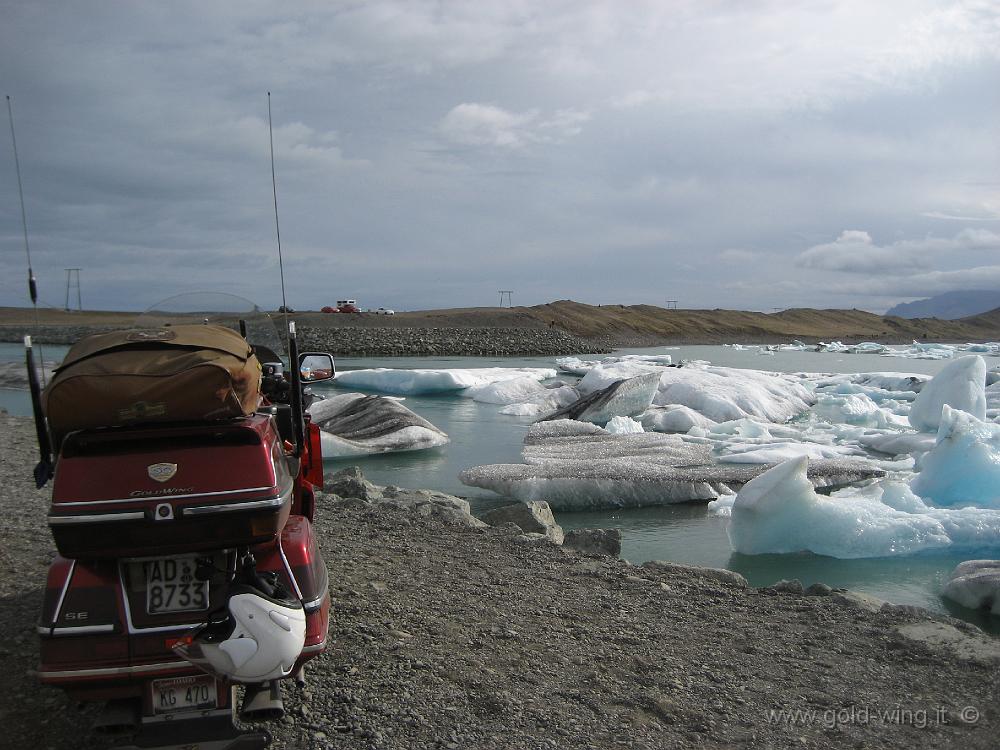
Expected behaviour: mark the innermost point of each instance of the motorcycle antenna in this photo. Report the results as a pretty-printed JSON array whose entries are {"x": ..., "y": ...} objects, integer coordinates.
[
  {"x": 277, "y": 228},
  {"x": 291, "y": 342},
  {"x": 32, "y": 286}
]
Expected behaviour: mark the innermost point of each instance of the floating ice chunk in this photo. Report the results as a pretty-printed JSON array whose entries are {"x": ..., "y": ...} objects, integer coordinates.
[
  {"x": 856, "y": 409},
  {"x": 560, "y": 428},
  {"x": 626, "y": 398},
  {"x": 960, "y": 385},
  {"x": 869, "y": 347},
  {"x": 745, "y": 428},
  {"x": 725, "y": 393},
  {"x": 414, "y": 382},
  {"x": 897, "y": 443},
  {"x": 673, "y": 418},
  {"x": 963, "y": 467},
  {"x": 603, "y": 375},
  {"x": 780, "y": 512},
  {"x": 975, "y": 584},
  {"x": 15, "y": 374},
  {"x": 896, "y": 383},
  {"x": 354, "y": 424},
  {"x": 623, "y": 426},
  {"x": 601, "y": 470},
  {"x": 795, "y": 346},
  {"x": 575, "y": 365},
  {"x": 834, "y": 347},
  {"x": 544, "y": 402},
  {"x": 722, "y": 506},
  {"x": 919, "y": 350},
  {"x": 773, "y": 453},
  {"x": 513, "y": 391}
]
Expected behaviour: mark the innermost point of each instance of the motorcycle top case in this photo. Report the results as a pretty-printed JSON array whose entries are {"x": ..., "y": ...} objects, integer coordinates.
[
  {"x": 170, "y": 489},
  {"x": 172, "y": 374}
]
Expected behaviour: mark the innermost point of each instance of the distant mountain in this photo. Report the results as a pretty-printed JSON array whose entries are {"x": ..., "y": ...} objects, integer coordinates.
[{"x": 949, "y": 306}]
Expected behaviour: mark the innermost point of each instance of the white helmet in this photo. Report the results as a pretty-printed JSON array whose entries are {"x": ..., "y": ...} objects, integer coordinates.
[{"x": 257, "y": 638}]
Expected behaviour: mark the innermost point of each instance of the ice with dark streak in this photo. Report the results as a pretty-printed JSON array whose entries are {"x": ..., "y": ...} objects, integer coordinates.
[
  {"x": 622, "y": 398},
  {"x": 355, "y": 424},
  {"x": 575, "y": 466}
]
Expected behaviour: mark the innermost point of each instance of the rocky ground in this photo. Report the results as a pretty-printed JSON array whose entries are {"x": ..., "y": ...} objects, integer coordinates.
[
  {"x": 388, "y": 341},
  {"x": 446, "y": 633}
]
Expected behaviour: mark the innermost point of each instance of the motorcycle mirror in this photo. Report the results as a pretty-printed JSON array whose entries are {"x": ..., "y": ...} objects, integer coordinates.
[{"x": 316, "y": 366}]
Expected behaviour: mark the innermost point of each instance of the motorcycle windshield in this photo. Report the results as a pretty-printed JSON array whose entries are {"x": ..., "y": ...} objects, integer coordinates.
[{"x": 219, "y": 308}]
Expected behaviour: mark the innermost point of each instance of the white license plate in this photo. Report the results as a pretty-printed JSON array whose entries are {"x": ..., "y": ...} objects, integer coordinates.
[
  {"x": 184, "y": 694},
  {"x": 171, "y": 586}
]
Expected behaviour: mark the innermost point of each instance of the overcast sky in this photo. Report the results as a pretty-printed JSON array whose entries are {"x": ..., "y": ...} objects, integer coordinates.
[{"x": 751, "y": 155}]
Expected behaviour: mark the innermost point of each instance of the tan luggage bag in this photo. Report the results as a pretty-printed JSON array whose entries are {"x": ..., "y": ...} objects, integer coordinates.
[{"x": 172, "y": 374}]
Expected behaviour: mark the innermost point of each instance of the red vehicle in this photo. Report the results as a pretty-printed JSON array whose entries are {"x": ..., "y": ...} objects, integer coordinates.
[
  {"x": 172, "y": 536},
  {"x": 348, "y": 306},
  {"x": 329, "y": 309}
]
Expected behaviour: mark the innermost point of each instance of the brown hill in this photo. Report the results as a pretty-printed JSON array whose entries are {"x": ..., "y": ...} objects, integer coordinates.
[{"x": 641, "y": 323}]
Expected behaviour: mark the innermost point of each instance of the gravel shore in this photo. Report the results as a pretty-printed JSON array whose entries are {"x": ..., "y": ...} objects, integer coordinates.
[
  {"x": 387, "y": 341},
  {"x": 448, "y": 634}
]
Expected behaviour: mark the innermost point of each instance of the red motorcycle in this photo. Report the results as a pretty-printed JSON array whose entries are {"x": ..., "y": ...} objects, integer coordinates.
[{"x": 184, "y": 470}]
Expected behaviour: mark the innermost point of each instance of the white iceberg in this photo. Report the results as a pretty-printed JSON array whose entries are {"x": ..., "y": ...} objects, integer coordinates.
[
  {"x": 855, "y": 409},
  {"x": 512, "y": 391},
  {"x": 780, "y": 512},
  {"x": 726, "y": 393},
  {"x": 542, "y": 402},
  {"x": 623, "y": 426},
  {"x": 779, "y": 451},
  {"x": 417, "y": 382},
  {"x": 673, "y": 418},
  {"x": 897, "y": 443},
  {"x": 354, "y": 424},
  {"x": 963, "y": 467},
  {"x": 960, "y": 385}
]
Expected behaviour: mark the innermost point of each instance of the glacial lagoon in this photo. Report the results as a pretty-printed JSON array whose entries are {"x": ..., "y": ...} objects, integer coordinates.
[{"x": 685, "y": 533}]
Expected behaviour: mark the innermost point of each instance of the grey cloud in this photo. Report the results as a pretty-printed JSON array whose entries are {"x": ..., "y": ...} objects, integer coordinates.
[
  {"x": 428, "y": 153},
  {"x": 854, "y": 251}
]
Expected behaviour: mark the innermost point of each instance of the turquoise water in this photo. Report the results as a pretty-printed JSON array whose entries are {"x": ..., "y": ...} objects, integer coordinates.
[{"x": 681, "y": 533}]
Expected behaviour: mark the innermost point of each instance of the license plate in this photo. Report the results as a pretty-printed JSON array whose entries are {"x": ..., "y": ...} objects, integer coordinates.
[
  {"x": 171, "y": 586},
  {"x": 184, "y": 694}
]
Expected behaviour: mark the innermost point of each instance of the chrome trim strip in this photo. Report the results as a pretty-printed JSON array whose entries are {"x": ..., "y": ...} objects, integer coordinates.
[
  {"x": 271, "y": 502},
  {"x": 288, "y": 569},
  {"x": 128, "y": 515},
  {"x": 81, "y": 630},
  {"x": 315, "y": 603},
  {"x": 313, "y": 649},
  {"x": 204, "y": 510},
  {"x": 112, "y": 671},
  {"x": 165, "y": 497},
  {"x": 65, "y": 589}
]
